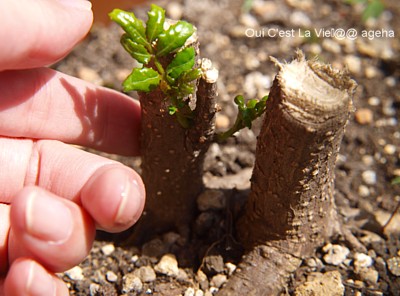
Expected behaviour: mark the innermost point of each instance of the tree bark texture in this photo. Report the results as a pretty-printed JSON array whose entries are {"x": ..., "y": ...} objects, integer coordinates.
[
  {"x": 291, "y": 210},
  {"x": 172, "y": 160}
]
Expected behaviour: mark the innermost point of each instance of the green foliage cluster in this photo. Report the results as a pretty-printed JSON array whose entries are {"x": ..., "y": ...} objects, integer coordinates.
[
  {"x": 247, "y": 112},
  {"x": 149, "y": 43},
  {"x": 373, "y": 8}
]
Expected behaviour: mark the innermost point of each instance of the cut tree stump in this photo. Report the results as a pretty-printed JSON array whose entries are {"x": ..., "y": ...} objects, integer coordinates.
[{"x": 291, "y": 208}]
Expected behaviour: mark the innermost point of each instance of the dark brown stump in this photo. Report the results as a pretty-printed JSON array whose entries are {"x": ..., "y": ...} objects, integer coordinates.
[{"x": 291, "y": 209}]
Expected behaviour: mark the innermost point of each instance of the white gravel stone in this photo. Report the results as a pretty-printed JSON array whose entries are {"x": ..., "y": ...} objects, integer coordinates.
[
  {"x": 174, "y": 10},
  {"x": 369, "y": 177},
  {"x": 189, "y": 292},
  {"x": 362, "y": 260},
  {"x": 374, "y": 101},
  {"x": 368, "y": 275},
  {"x": 300, "y": 19},
  {"x": 364, "y": 116},
  {"x": 394, "y": 265},
  {"x": 75, "y": 273},
  {"x": 335, "y": 254},
  {"x": 389, "y": 149},
  {"x": 230, "y": 267},
  {"x": 108, "y": 249},
  {"x": 94, "y": 289},
  {"x": 168, "y": 265},
  {"x": 131, "y": 283},
  {"x": 353, "y": 63},
  {"x": 363, "y": 191},
  {"x": 111, "y": 276},
  {"x": 331, "y": 46},
  {"x": 257, "y": 84},
  {"x": 327, "y": 284},
  {"x": 91, "y": 75},
  {"x": 146, "y": 274},
  {"x": 218, "y": 280}
]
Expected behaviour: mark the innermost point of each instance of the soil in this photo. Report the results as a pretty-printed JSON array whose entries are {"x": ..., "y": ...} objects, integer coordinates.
[{"x": 369, "y": 264}]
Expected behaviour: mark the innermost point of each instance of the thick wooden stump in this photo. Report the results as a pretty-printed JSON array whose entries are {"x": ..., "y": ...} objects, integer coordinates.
[{"x": 291, "y": 209}]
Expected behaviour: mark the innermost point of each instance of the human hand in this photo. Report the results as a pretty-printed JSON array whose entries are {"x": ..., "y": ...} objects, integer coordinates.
[{"x": 52, "y": 195}]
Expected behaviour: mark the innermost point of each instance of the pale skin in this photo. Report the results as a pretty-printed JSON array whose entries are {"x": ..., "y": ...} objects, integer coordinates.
[{"x": 53, "y": 196}]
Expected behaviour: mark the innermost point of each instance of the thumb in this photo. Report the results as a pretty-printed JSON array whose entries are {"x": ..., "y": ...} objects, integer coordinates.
[{"x": 40, "y": 32}]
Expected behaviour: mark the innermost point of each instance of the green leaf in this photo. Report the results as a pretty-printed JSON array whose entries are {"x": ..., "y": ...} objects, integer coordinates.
[
  {"x": 239, "y": 100},
  {"x": 373, "y": 10},
  {"x": 174, "y": 38},
  {"x": 137, "y": 51},
  {"x": 396, "y": 180},
  {"x": 155, "y": 22},
  {"x": 131, "y": 24},
  {"x": 183, "y": 61},
  {"x": 172, "y": 110},
  {"x": 144, "y": 79},
  {"x": 190, "y": 75}
]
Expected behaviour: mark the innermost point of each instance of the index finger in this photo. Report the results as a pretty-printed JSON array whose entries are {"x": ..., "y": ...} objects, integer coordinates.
[{"x": 40, "y": 32}]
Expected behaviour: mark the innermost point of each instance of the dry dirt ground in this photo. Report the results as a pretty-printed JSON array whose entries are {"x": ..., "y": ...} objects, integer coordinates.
[{"x": 239, "y": 37}]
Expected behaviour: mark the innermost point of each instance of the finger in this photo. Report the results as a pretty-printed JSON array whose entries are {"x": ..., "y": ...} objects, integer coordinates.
[
  {"x": 52, "y": 230},
  {"x": 114, "y": 198},
  {"x": 37, "y": 33},
  {"x": 4, "y": 230},
  {"x": 112, "y": 193},
  {"x": 27, "y": 277},
  {"x": 43, "y": 103}
]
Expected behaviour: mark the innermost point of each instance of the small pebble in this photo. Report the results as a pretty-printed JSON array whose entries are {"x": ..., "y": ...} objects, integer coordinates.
[
  {"x": 331, "y": 46},
  {"x": 362, "y": 260},
  {"x": 363, "y": 191},
  {"x": 390, "y": 81},
  {"x": 174, "y": 10},
  {"x": 389, "y": 149},
  {"x": 218, "y": 280},
  {"x": 168, "y": 265},
  {"x": 189, "y": 292},
  {"x": 222, "y": 121},
  {"x": 75, "y": 273},
  {"x": 146, "y": 274},
  {"x": 371, "y": 72},
  {"x": 300, "y": 19},
  {"x": 364, "y": 116},
  {"x": 369, "y": 177},
  {"x": 230, "y": 267},
  {"x": 199, "y": 293},
  {"x": 131, "y": 283},
  {"x": 368, "y": 160},
  {"x": 89, "y": 74},
  {"x": 353, "y": 63},
  {"x": 374, "y": 101},
  {"x": 368, "y": 275},
  {"x": 388, "y": 109},
  {"x": 111, "y": 276},
  {"x": 335, "y": 254},
  {"x": 94, "y": 289},
  {"x": 108, "y": 249},
  {"x": 394, "y": 265}
]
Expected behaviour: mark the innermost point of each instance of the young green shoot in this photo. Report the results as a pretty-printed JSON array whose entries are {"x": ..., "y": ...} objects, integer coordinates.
[
  {"x": 148, "y": 44},
  {"x": 247, "y": 113},
  {"x": 156, "y": 40}
]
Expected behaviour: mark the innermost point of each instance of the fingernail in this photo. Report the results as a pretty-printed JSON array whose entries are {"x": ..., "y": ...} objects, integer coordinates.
[
  {"x": 48, "y": 219},
  {"x": 80, "y": 4},
  {"x": 131, "y": 202},
  {"x": 39, "y": 282}
]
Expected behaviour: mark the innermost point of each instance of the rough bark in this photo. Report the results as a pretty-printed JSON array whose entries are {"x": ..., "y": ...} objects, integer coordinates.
[
  {"x": 172, "y": 160},
  {"x": 291, "y": 209}
]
